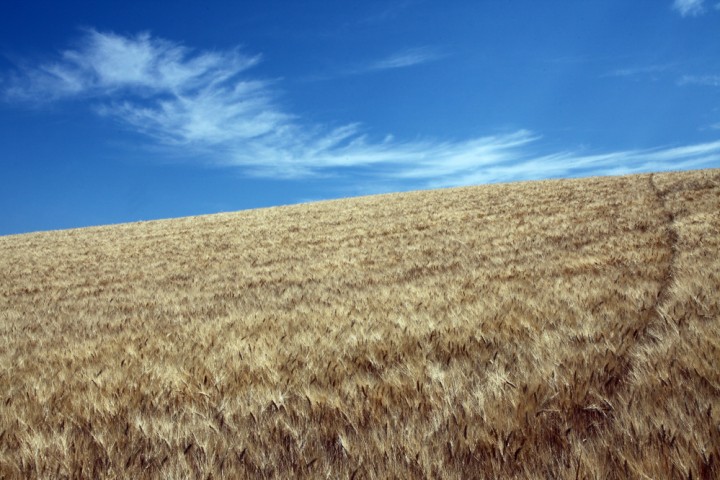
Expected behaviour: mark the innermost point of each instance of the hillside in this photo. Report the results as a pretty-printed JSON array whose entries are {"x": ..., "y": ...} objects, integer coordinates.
[{"x": 553, "y": 329}]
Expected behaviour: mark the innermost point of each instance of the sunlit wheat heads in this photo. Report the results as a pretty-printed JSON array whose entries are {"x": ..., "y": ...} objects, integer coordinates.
[{"x": 553, "y": 329}]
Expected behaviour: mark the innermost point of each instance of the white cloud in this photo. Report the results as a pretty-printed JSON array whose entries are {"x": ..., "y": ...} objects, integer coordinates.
[
  {"x": 568, "y": 164},
  {"x": 707, "y": 80},
  {"x": 689, "y": 8},
  {"x": 107, "y": 63},
  {"x": 638, "y": 70},
  {"x": 402, "y": 59},
  {"x": 205, "y": 104},
  {"x": 406, "y": 58},
  {"x": 389, "y": 11}
]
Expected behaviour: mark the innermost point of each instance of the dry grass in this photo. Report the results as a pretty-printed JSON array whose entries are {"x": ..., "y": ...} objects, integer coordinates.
[{"x": 556, "y": 329}]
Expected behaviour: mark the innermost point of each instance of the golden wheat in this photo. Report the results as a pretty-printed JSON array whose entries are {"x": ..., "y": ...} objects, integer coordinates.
[{"x": 554, "y": 329}]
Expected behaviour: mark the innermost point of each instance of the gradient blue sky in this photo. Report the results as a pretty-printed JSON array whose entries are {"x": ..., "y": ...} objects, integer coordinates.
[{"x": 124, "y": 111}]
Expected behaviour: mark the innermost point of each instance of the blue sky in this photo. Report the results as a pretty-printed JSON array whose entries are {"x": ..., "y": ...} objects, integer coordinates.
[{"x": 124, "y": 111}]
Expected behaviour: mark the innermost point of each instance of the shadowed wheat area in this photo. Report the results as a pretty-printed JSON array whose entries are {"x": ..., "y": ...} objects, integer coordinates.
[{"x": 554, "y": 329}]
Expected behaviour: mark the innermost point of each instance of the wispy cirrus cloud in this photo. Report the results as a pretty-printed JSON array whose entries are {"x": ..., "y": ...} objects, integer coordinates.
[
  {"x": 689, "y": 8},
  {"x": 389, "y": 11},
  {"x": 706, "y": 80},
  {"x": 405, "y": 58},
  {"x": 207, "y": 104},
  {"x": 106, "y": 63},
  {"x": 409, "y": 57},
  {"x": 160, "y": 88},
  {"x": 573, "y": 164},
  {"x": 692, "y": 8},
  {"x": 638, "y": 71}
]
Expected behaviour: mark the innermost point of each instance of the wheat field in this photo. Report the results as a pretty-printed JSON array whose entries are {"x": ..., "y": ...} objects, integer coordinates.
[{"x": 552, "y": 329}]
